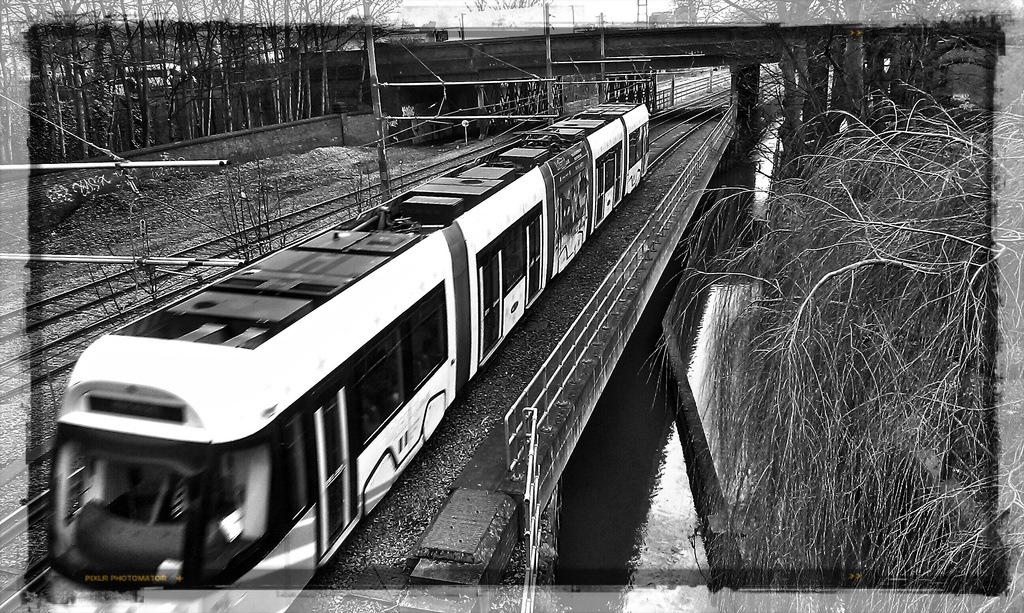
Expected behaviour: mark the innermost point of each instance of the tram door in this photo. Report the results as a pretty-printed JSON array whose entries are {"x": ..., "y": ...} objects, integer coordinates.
[
  {"x": 490, "y": 300},
  {"x": 513, "y": 275},
  {"x": 335, "y": 468},
  {"x": 504, "y": 288},
  {"x": 607, "y": 185}
]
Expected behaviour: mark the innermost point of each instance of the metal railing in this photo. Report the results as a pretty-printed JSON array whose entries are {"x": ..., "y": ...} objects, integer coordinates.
[
  {"x": 533, "y": 512},
  {"x": 676, "y": 91},
  {"x": 618, "y": 287}
]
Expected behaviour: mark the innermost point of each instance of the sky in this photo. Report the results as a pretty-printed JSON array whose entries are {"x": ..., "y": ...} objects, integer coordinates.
[{"x": 446, "y": 13}]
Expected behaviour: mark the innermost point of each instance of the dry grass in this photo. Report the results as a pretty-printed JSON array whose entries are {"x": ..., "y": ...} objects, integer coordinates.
[{"x": 856, "y": 404}]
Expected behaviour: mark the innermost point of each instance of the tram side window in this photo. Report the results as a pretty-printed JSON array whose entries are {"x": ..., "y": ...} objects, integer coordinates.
[
  {"x": 490, "y": 298},
  {"x": 609, "y": 174},
  {"x": 332, "y": 437},
  {"x": 240, "y": 497},
  {"x": 295, "y": 455},
  {"x": 533, "y": 240},
  {"x": 379, "y": 389},
  {"x": 513, "y": 256},
  {"x": 427, "y": 343},
  {"x": 635, "y": 145}
]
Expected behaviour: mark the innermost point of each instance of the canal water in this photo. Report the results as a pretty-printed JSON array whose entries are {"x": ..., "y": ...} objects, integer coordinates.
[{"x": 628, "y": 529}]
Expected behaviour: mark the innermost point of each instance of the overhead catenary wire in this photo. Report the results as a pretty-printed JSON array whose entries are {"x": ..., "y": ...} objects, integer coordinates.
[
  {"x": 480, "y": 82},
  {"x": 116, "y": 259},
  {"x": 42, "y": 118},
  {"x": 513, "y": 66},
  {"x": 444, "y": 90},
  {"x": 126, "y": 164}
]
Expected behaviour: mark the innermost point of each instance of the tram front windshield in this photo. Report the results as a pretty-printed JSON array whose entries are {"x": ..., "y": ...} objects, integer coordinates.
[
  {"x": 127, "y": 510},
  {"x": 121, "y": 510}
]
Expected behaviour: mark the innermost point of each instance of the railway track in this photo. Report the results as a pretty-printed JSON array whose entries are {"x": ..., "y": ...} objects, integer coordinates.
[
  {"x": 104, "y": 311},
  {"x": 70, "y": 345},
  {"x": 124, "y": 284}
]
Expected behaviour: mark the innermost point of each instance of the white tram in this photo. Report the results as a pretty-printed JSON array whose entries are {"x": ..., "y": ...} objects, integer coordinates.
[{"x": 238, "y": 436}]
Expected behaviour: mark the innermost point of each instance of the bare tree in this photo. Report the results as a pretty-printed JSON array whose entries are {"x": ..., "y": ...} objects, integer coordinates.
[{"x": 502, "y": 5}]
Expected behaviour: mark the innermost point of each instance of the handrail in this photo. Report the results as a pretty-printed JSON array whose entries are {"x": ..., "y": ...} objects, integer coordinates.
[
  {"x": 533, "y": 512},
  {"x": 668, "y": 97},
  {"x": 546, "y": 385}
]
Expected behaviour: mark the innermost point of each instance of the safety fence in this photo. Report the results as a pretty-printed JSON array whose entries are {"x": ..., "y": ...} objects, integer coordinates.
[
  {"x": 533, "y": 514},
  {"x": 614, "y": 311},
  {"x": 610, "y": 312},
  {"x": 679, "y": 88}
]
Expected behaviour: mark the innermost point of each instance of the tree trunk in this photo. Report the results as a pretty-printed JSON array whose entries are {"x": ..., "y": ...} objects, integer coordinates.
[
  {"x": 40, "y": 67},
  {"x": 270, "y": 37},
  {"x": 226, "y": 59},
  {"x": 184, "y": 93},
  {"x": 793, "y": 65},
  {"x": 791, "y": 130},
  {"x": 838, "y": 99},
  {"x": 143, "y": 75},
  {"x": 58, "y": 105},
  {"x": 78, "y": 96},
  {"x": 288, "y": 99},
  {"x": 208, "y": 60},
  {"x": 305, "y": 92},
  {"x": 325, "y": 99},
  {"x": 853, "y": 62},
  {"x": 103, "y": 111},
  {"x": 816, "y": 103},
  {"x": 128, "y": 124}
]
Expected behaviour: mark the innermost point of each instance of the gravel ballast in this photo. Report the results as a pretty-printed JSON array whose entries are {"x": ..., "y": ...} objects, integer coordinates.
[{"x": 381, "y": 544}]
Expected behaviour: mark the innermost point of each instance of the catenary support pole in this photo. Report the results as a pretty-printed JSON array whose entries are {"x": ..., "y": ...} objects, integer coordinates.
[
  {"x": 547, "y": 45},
  {"x": 382, "y": 126},
  {"x": 602, "y": 88}
]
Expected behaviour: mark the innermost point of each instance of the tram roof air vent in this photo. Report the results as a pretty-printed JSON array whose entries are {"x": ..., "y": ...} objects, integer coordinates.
[
  {"x": 485, "y": 172},
  {"x": 385, "y": 243},
  {"x": 335, "y": 240},
  {"x": 247, "y": 307},
  {"x": 433, "y": 210},
  {"x": 527, "y": 153}
]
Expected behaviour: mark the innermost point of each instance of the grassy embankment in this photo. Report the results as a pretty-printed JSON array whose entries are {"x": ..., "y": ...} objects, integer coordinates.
[{"x": 857, "y": 392}]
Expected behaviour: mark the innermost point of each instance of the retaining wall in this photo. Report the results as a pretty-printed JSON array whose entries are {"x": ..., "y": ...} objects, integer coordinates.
[{"x": 55, "y": 195}]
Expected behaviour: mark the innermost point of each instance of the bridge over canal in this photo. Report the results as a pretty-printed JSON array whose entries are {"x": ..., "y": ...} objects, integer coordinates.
[{"x": 495, "y": 501}]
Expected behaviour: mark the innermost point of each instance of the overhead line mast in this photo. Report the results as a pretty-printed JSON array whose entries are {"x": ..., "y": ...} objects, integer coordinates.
[
  {"x": 550, "y": 72},
  {"x": 382, "y": 126}
]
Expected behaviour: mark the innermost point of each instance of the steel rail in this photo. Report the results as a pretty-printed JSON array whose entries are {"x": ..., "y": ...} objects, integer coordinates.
[
  {"x": 547, "y": 384},
  {"x": 23, "y": 518},
  {"x": 405, "y": 179},
  {"x": 98, "y": 326},
  {"x": 40, "y": 452},
  {"x": 369, "y": 189},
  {"x": 181, "y": 253}
]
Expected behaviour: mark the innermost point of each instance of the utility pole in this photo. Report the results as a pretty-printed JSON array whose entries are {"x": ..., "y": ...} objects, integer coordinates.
[
  {"x": 602, "y": 87},
  {"x": 382, "y": 126},
  {"x": 550, "y": 73}
]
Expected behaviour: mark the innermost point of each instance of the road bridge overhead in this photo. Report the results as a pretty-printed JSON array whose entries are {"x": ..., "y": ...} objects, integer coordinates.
[{"x": 580, "y": 52}]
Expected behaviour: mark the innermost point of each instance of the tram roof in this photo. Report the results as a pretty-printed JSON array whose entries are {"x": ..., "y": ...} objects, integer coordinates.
[
  {"x": 438, "y": 202},
  {"x": 251, "y": 306}
]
